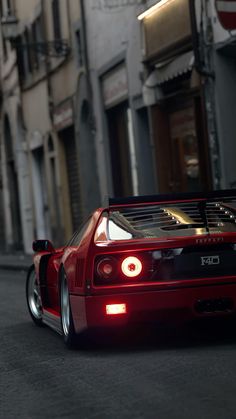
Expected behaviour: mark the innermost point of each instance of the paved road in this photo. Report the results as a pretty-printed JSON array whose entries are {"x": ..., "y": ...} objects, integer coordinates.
[{"x": 179, "y": 375}]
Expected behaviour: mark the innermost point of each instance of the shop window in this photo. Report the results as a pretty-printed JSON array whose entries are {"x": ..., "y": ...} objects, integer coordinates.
[{"x": 185, "y": 150}]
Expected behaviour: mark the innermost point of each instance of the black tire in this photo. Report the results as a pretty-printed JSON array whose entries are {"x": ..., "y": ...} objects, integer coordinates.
[
  {"x": 67, "y": 324},
  {"x": 33, "y": 297}
]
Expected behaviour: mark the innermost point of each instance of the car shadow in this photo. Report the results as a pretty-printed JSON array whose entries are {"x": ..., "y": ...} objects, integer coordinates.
[
  {"x": 137, "y": 338},
  {"x": 210, "y": 332}
]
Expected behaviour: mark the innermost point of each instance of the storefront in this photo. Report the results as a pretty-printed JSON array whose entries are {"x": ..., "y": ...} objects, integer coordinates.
[
  {"x": 119, "y": 126},
  {"x": 173, "y": 92},
  {"x": 63, "y": 120},
  {"x": 14, "y": 235}
]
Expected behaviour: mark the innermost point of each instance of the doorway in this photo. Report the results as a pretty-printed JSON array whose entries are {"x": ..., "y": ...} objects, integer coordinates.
[
  {"x": 117, "y": 118},
  {"x": 13, "y": 189},
  {"x": 181, "y": 147}
]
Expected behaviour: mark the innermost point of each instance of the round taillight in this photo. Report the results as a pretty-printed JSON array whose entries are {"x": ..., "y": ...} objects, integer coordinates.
[
  {"x": 131, "y": 266},
  {"x": 106, "y": 268}
]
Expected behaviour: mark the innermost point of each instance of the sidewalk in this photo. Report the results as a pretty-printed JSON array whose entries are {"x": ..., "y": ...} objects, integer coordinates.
[{"x": 16, "y": 261}]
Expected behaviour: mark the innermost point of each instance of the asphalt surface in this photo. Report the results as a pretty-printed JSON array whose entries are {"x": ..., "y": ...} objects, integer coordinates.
[{"x": 181, "y": 374}]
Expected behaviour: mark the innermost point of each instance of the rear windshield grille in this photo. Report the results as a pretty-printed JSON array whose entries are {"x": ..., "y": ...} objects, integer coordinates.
[{"x": 154, "y": 220}]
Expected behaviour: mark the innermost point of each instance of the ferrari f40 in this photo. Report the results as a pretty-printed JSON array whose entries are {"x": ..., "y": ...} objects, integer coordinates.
[{"x": 139, "y": 259}]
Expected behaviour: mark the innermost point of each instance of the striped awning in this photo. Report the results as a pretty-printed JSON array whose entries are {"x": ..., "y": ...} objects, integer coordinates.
[{"x": 173, "y": 68}]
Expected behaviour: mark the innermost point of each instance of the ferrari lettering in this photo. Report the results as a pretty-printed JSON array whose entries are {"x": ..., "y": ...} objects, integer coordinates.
[
  {"x": 210, "y": 240},
  {"x": 210, "y": 260}
]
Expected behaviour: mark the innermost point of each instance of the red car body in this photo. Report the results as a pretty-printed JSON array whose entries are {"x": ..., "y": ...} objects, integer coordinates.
[{"x": 187, "y": 260}]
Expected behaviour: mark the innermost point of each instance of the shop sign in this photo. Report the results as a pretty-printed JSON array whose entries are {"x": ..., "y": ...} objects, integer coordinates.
[
  {"x": 166, "y": 29},
  {"x": 63, "y": 116},
  {"x": 226, "y": 10},
  {"x": 115, "y": 86}
]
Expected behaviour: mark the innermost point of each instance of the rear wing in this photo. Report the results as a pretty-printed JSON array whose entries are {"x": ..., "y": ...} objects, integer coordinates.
[{"x": 227, "y": 194}]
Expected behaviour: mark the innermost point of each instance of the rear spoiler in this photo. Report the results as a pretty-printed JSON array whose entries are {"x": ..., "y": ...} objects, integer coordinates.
[{"x": 227, "y": 194}]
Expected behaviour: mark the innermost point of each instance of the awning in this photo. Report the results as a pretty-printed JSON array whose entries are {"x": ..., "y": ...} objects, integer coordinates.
[
  {"x": 164, "y": 72},
  {"x": 175, "y": 67}
]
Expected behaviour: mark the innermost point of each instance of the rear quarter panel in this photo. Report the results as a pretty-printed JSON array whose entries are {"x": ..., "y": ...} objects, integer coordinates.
[{"x": 77, "y": 260}]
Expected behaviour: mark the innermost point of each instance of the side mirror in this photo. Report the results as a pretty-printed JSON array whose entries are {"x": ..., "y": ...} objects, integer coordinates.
[{"x": 42, "y": 246}]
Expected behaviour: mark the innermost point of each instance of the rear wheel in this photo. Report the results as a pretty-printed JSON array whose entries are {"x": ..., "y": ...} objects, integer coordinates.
[
  {"x": 67, "y": 324},
  {"x": 33, "y": 297}
]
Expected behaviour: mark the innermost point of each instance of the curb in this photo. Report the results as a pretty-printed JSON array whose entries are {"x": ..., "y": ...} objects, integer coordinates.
[
  {"x": 8, "y": 267},
  {"x": 15, "y": 262}
]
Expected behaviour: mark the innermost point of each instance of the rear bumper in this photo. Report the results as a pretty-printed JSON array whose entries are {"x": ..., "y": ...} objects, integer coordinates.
[{"x": 149, "y": 306}]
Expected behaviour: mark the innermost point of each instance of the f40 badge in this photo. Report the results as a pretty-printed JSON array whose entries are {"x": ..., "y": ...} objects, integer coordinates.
[{"x": 210, "y": 260}]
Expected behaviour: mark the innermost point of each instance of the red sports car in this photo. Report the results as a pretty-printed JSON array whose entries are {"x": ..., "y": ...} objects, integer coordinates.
[{"x": 139, "y": 259}]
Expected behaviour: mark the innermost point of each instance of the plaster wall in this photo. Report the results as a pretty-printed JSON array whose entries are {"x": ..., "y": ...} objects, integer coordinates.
[
  {"x": 111, "y": 32},
  {"x": 113, "y": 35},
  {"x": 25, "y": 9},
  {"x": 36, "y": 112},
  {"x": 64, "y": 82}
]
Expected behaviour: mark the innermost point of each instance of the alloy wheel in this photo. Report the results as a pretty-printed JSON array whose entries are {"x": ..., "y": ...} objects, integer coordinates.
[
  {"x": 65, "y": 306},
  {"x": 34, "y": 297}
]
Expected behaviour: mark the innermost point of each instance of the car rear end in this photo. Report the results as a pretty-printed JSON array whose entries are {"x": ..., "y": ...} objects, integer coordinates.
[{"x": 163, "y": 260}]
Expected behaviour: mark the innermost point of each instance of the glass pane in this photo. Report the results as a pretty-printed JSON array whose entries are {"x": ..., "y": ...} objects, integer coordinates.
[{"x": 185, "y": 150}]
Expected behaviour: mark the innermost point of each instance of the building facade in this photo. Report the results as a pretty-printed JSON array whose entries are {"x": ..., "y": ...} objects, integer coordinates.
[
  {"x": 175, "y": 96},
  {"x": 151, "y": 127},
  {"x": 163, "y": 93},
  {"x": 123, "y": 144},
  {"x": 42, "y": 64},
  {"x": 222, "y": 51}
]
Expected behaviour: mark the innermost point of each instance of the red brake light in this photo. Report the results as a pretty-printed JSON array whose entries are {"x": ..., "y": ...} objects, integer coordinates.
[
  {"x": 106, "y": 268},
  {"x": 131, "y": 266},
  {"x": 113, "y": 309}
]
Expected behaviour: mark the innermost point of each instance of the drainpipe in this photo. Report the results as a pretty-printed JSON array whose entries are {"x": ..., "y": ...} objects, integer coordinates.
[
  {"x": 87, "y": 143},
  {"x": 199, "y": 65},
  {"x": 47, "y": 65},
  {"x": 204, "y": 68},
  {"x": 85, "y": 53}
]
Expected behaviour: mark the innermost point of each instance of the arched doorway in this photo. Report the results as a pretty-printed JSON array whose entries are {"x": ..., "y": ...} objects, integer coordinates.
[
  {"x": 23, "y": 171},
  {"x": 13, "y": 191},
  {"x": 40, "y": 195}
]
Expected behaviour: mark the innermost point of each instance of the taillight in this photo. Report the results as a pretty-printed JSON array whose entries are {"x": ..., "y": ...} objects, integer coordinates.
[
  {"x": 113, "y": 309},
  {"x": 106, "y": 268},
  {"x": 131, "y": 266},
  {"x": 119, "y": 268}
]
